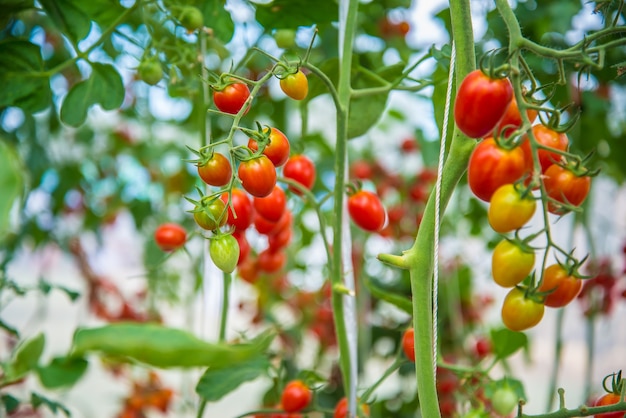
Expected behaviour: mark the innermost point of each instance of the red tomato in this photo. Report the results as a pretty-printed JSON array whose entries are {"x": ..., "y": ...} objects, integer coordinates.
[
  {"x": 248, "y": 270},
  {"x": 277, "y": 150},
  {"x": 231, "y": 98},
  {"x": 520, "y": 312},
  {"x": 480, "y": 103},
  {"x": 216, "y": 171},
  {"x": 608, "y": 399},
  {"x": 408, "y": 344},
  {"x": 362, "y": 170},
  {"x": 300, "y": 168},
  {"x": 279, "y": 239},
  {"x": 491, "y": 166},
  {"x": 265, "y": 227},
  {"x": 565, "y": 186},
  {"x": 296, "y": 396},
  {"x": 272, "y": 206},
  {"x": 241, "y": 211},
  {"x": 512, "y": 119},
  {"x": 508, "y": 210},
  {"x": 545, "y": 137},
  {"x": 295, "y": 85},
  {"x": 564, "y": 287},
  {"x": 257, "y": 176},
  {"x": 244, "y": 246},
  {"x": 170, "y": 236},
  {"x": 341, "y": 410},
  {"x": 367, "y": 211},
  {"x": 271, "y": 261}
]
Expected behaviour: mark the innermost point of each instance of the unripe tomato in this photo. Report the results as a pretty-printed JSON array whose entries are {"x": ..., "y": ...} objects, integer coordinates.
[
  {"x": 212, "y": 215},
  {"x": 510, "y": 264},
  {"x": 565, "y": 186},
  {"x": 367, "y": 211},
  {"x": 296, "y": 396},
  {"x": 170, "y": 236},
  {"x": 504, "y": 400},
  {"x": 278, "y": 148},
  {"x": 480, "y": 103},
  {"x": 295, "y": 85},
  {"x": 150, "y": 71},
  {"x": 563, "y": 286},
  {"x": 508, "y": 210},
  {"x": 216, "y": 171},
  {"x": 231, "y": 98},
  {"x": 408, "y": 344},
  {"x": 519, "y": 312},
  {"x": 191, "y": 18},
  {"x": 285, "y": 38},
  {"x": 300, "y": 168},
  {"x": 257, "y": 176},
  {"x": 224, "y": 251}
]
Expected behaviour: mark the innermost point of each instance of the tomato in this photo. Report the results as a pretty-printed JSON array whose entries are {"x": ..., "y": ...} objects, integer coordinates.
[
  {"x": 277, "y": 150},
  {"x": 224, "y": 251},
  {"x": 520, "y": 312},
  {"x": 508, "y": 210},
  {"x": 272, "y": 206},
  {"x": 504, "y": 400},
  {"x": 265, "y": 227},
  {"x": 241, "y": 211},
  {"x": 300, "y": 168},
  {"x": 296, "y": 396},
  {"x": 408, "y": 344},
  {"x": 362, "y": 170},
  {"x": 216, "y": 171},
  {"x": 257, "y": 176},
  {"x": 150, "y": 71},
  {"x": 271, "y": 261},
  {"x": 367, "y": 211},
  {"x": 248, "y": 270},
  {"x": 170, "y": 236},
  {"x": 480, "y": 103},
  {"x": 491, "y": 166},
  {"x": 285, "y": 38},
  {"x": 244, "y": 246},
  {"x": 191, "y": 18},
  {"x": 231, "y": 98},
  {"x": 510, "y": 263},
  {"x": 341, "y": 409},
  {"x": 608, "y": 399},
  {"x": 295, "y": 85},
  {"x": 566, "y": 187},
  {"x": 512, "y": 119},
  {"x": 211, "y": 214},
  {"x": 564, "y": 287},
  {"x": 545, "y": 137},
  {"x": 482, "y": 347},
  {"x": 279, "y": 239}
]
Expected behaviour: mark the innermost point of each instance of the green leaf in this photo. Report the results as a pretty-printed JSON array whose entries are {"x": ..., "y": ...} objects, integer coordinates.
[
  {"x": 217, "y": 383},
  {"x": 46, "y": 287},
  {"x": 11, "y": 184},
  {"x": 23, "y": 84},
  {"x": 9, "y": 328},
  {"x": 10, "y": 403},
  {"x": 507, "y": 342},
  {"x": 218, "y": 19},
  {"x": 160, "y": 346},
  {"x": 11, "y": 7},
  {"x": 26, "y": 357},
  {"x": 103, "y": 87},
  {"x": 291, "y": 14},
  {"x": 62, "y": 371},
  {"x": 37, "y": 400},
  {"x": 399, "y": 301},
  {"x": 70, "y": 20},
  {"x": 103, "y": 12}
]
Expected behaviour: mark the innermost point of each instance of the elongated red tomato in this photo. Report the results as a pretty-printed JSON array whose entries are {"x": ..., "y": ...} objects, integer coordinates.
[
  {"x": 257, "y": 176},
  {"x": 512, "y": 119},
  {"x": 300, "y": 168},
  {"x": 562, "y": 286},
  {"x": 231, "y": 98},
  {"x": 480, "y": 103},
  {"x": 408, "y": 344},
  {"x": 278, "y": 148},
  {"x": 565, "y": 186},
  {"x": 367, "y": 211},
  {"x": 491, "y": 166}
]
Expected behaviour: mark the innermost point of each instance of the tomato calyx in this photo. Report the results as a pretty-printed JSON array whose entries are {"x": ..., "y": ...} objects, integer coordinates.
[
  {"x": 617, "y": 383},
  {"x": 488, "y": 67}
]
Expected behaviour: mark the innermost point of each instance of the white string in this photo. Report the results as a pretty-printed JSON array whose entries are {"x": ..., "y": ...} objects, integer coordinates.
[{"x": 442, "y": 150}]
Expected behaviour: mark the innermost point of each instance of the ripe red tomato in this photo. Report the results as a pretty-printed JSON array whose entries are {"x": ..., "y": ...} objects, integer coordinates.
[
  {"x": 212, "y": 214},
  {"x": 248, "y": 270},
  {"x": 216, "y": 171},
  {"x": 296, "y": 396},
  {"x": 272, "y": 206},
  {"x": 231, "y": 98},
  {"x": 279, "y": 239},
  {"x": 480, "y": 103},
  {"x": 510, "y": 264},
  {"x": 520, "y": 312},
  {"x": 491, "y": 166},
  {"x": 512, "y": 119},
  {"x": 265, "y": 227},
  {"x": 277, "y": 150},
  {"x": 257, "y": 176},
  {"x": 295, "y": 85},
  {"x": 271, "y": 261},
  {"x": 508, "y": 210},
  {"x": 224, "y": 251},
  {"x": 341, "y": 409},
  {"x": 545, "y": 137},
  {"x": 300, "y": 168},
  {"x": 241, "y": 211},
  {"x": 565, "y": 186},
  {"x": 564, "y": 287},
  {"x": 362, "y": 170},
  {"x": 244, "y": 246},
  {"x": 408, "y": 344},
  {"x": 608, "y": 399},
  {"x": 170, "y": 236},
  {"x": 367, "y": 211}
]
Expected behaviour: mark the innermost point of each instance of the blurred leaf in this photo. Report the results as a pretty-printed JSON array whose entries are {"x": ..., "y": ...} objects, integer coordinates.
[
  {"x": 70, "y": 20},
  {"x": 62, "y": 371},
  {"x": 217, "y": 383},
  {"x": 104, "y": 86},
  {"x": 399, "y": 301},
  {"x": 11, "y": 185},
  {"x": 218, "y": 19},
  {"x": 290, "y": 14},
  {"x": 507, "y": 342},
  {"x": 11, "y": 7},
  {"x": 26, "y": 357},
  {"x": 46, "y": 287},
  {"x": 23, "y": 84},
  {"x": 103, "y": 12},
  {"x": 37, "y": 400},
  {"x": 10, "y": 403},
  {"x": 8, "y": 328}
]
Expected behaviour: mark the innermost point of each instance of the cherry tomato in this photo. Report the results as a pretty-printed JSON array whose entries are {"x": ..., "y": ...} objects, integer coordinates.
[
  {"x": 279, "y": 239},
  {"x": 231, "y": 98},
  {"x": 248, "y": 270},
  {"x": 520, "y": 312},
  {"x": 504, "y": 400},
  {"x": 296, "y": 396},
  {"x": 362, "y": 170},
  {"x": 285, "y": 38},
  {"x": 191, "y": 18},
  {"x": 367, "y": 211},
  {"x": 170, "y": 236},
  {"x": 341, "y": 409},
  {"x": 300, "y": 168},
  {"x": 272, "y": 206},
  {"x": 224, "y": 251},
  {"x": 512, "y": 119},
  {"x": 278, "y": 148},
  {"x": 271, "y": 261},
  {"x": 510, "y": 264},
  {"x": 563, "y": 287},
  {"x": 244, "y": 246},
  {"x": 608, "y": 399},
  {"x": 408, "y": 344},
  {"x": 265, "y": 227},
  {"x": 508, "y": 210},
  {"x": 241, "y": 211},
  {"x": 212, "y": 215},
  {"x": 150, "y": 71},
  {"x": 257, "y": 176},
  {"x": 216, "y": 171},
  {"x": 565, "y": 186},
  {"x": 295, "y": 85},
  {"x": 480, "y": 103},
  {"x": 545, "y": 137}
]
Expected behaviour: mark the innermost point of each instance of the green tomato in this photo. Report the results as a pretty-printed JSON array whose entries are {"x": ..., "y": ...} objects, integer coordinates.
[
  {"x": 224, "y": 251},
  {"x": 504, "y": 400},
  {"x": 150, "y": 71},
  {"x": 191, "y": 18},
  {"x": 285, "y": 38}
]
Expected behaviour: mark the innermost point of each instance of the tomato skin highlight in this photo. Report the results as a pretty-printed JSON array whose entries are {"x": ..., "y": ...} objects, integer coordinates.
[
  {"x": 296, "y": 396},
  {"x": 608, "y": 399},
  {"x": 231, "y": 98},
  {"x": 508, "y": 210},
  {"x": 170, "y": 236},
  {"x": 295, "y": 85},
  {"x": 480, "y": 103},
  {"x": 257, "y": 176},
  {"x": 272, "y": 206},
  {"x": 217, "y": 171},
  {"x": 367, "y": 211},
  {"x": 408, "y": 344},
  {"x": 300, "y": 168},
  {"x": 565, "y": 186},
  {"x": 563, "y": 286},
  {"x": 277, "y": 150},
  {"x": 510, "y": 264},
  {"x": 520, "y": 313},
  {"x": 491, "y": 166}
]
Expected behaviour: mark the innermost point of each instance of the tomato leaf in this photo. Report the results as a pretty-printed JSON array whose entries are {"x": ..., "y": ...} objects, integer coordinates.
[
  {"x": 104, "y": 86},
  {"x": 21, "y": 87},
  {"x": 217, "y": 383},
  {"x": 507, "y": 342},
  {"x": 37, "y": 400},
  {"x": 62, "y": 371},
  {"x": 291, "y": 14},
  {"x": 220, "y": 19},
  {"x": 26, "y": 357},
  {"x": 161, "y": 346},
  {"x": 10, "y": 7},
  {"x": 10, "y": 403},
  {"x": 70, "y": 20},
  {"x": 11, "y": 184},
  {"x": 103, "y": 12}
]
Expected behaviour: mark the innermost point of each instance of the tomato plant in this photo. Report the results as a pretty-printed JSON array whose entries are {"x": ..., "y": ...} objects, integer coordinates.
[
  {"x": 509, "y": 209},
  {"x": 295, "y": 85},
  {"x": 216, "y": 170},
  {"x": 277, "y": 149},
  {"x": 520, "y": 312},
  {"x": 367, "y": 211},
  {"x": 562, "y": 286},
  {"x": 511, "y": 263},
  {"x": 296, "y": 396},
  {"x": 565, "y": 187},
  {"x": 257, "y": 176},
  {"x": 300, "y": 168},
  {"x": 170, "y": 236},
  {"x": 231, "y": 98}
]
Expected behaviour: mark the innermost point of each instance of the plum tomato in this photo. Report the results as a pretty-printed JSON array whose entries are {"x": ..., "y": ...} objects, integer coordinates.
[
  {"x": 408, "y": 344},
  {"x": 367, "y": 211},
  {"x": 549, "y": 138},
  {"x": 566, "y": 187},
  {"x": 240, "y": 211},
  {"x": 272, "y": 206},
  {"x": 257, "y": 176},
  {"x": 512, "y": 119},
  {"x": 295, "y": 85},
  {"x": 216, "y": 170},
  {"x": 301, "y": 169},
  {"x": 295, "y": 396},
  {"x": 563, "y": 287}
]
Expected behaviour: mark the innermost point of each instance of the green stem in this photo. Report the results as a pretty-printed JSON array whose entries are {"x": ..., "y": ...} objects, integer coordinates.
[
  {"x": 558, "y": 351},
  {"x": 390, "y": 370},
  {"x": 225, "y": 304}
]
